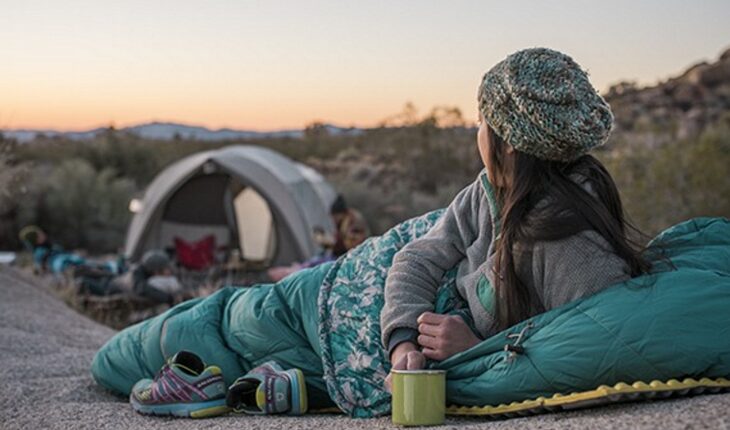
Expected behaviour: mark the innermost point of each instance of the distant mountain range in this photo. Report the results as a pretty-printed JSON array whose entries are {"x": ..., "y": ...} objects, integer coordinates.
[{"x": 170, "y": 131}]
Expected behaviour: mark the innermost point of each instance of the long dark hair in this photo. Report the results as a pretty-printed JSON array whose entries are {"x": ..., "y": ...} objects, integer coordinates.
[{"x": 549, "y": 200}]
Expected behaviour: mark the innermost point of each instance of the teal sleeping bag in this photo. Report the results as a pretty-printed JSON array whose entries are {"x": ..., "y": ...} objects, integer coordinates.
[
  {"x": 236, "y": 329},
  {"x": 672, "y": 323}
]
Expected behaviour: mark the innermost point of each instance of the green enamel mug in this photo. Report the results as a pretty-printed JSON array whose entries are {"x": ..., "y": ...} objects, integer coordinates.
[{"x": 419, "y": 397}]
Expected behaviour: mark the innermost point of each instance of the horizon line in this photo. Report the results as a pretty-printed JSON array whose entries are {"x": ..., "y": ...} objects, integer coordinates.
[{"x": 111, "y": 124}]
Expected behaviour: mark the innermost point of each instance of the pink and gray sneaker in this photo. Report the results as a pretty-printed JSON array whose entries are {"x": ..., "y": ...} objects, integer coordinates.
[
  {"x": 184, "y": 387},
  {"x": 269, "y": 389}
]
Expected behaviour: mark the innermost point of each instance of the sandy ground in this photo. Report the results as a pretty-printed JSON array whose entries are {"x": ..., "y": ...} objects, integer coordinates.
[{"x": 46, "y": 348}]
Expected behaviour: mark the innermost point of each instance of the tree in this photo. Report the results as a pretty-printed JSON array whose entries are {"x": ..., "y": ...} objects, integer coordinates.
[
  {"x": 316, "y": 130},
  {"x": 447, "y": 117},
  {"x": 12, "y": 188},
  {"x": 406, "y": 118}
]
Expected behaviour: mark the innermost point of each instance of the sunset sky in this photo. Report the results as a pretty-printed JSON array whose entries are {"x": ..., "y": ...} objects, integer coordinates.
[{"x": 71, "y": 64}]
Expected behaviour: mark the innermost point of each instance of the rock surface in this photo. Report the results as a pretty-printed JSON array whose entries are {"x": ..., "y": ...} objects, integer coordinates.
[{"x": 679, "y": 108}]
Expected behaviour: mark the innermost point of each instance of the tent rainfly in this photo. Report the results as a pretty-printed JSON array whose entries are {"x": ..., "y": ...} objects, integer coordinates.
[{"x": 249, "y": 198}]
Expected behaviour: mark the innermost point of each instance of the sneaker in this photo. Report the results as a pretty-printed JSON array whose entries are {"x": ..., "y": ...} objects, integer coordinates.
[
  {"x": 184, "y": 387},
  {"x": 269, "y": 389}
]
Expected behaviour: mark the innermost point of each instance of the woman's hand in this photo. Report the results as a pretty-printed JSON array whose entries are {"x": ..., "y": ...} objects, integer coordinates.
[
  {"x": 405, "y": 356},
  {"x": 442, "y": 336}
]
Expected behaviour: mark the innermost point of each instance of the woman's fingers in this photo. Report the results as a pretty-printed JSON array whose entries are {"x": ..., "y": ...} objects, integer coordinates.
[
  {"x": 431, "y": 318},
  {"x": 428, "y": 341},
  {"x": 429, "y": 329},
  {"x": 388, "y": 382},
  {"x": 433, "y": 354},
  {"x": 416, "y": 360},
  {"x": 402, "y": 363}
]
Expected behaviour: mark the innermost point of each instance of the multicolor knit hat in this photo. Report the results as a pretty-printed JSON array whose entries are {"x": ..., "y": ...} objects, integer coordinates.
[{"x": 541, "y": 102}]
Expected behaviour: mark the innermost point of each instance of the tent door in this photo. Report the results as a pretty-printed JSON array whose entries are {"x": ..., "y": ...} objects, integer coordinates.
[{"x": 255, "y": 226}]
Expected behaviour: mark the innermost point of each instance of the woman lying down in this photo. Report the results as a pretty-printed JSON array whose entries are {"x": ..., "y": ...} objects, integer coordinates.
[{"x": 542, "y": 226}]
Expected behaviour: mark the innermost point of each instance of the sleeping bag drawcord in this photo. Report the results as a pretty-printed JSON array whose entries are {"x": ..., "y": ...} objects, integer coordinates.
[{"x": 515, "y": 348}]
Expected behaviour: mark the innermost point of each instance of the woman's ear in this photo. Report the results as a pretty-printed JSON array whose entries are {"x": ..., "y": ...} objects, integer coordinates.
[{"x": 510, "y": 149}]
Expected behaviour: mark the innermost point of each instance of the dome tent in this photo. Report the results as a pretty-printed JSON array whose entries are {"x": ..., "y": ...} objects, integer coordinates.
[{"x": 249, "y": 198}]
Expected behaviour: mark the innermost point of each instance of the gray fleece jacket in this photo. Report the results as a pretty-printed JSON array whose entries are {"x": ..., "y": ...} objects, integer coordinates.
[{"x": 555, "y": 272}]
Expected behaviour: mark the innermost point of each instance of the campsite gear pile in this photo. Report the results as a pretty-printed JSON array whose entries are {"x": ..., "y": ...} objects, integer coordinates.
[
  {"x": 51, "y": 257},
  {"x": 152, "y": 279}
]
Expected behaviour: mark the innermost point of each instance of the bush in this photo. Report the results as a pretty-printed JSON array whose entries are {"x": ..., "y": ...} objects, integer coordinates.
[
  {"x": 78, "y": 206},
  {"x": 675, "y": 182},
  {"x": 12, "y": 178}
]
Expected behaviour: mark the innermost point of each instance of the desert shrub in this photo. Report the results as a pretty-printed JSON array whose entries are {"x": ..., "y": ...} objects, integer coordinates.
[
  {"x": 77, "y": 205},
  {"x": 126, "y": 154},
  {"x": 12, "y": 177},
  {"x": 677, "y": 181},
  {"x": 385, "y": 207}
]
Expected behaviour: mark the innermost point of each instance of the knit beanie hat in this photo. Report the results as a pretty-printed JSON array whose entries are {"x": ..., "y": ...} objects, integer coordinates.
[{"x": 541, "y": 102}]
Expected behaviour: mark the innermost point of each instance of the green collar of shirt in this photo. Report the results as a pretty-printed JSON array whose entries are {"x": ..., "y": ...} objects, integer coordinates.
[{"x": 485, "y": 290}]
